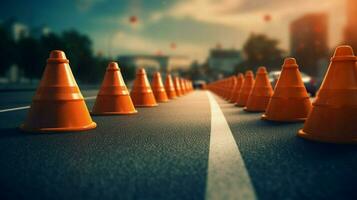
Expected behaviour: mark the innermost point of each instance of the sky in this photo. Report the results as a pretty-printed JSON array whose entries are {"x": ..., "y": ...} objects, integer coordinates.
[{"x": 195, "y": 26}]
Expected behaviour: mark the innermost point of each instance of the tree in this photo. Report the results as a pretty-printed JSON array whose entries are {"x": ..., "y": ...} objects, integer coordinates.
[
  {"x": 127, "y": 71},
  {"x": 78, "y": 49},
  {"x": 30, "y": 57},
  {"x": 51, "y": 42},
  {"x": 7, "y": 50},
  {"x": 261, "y": 51}
]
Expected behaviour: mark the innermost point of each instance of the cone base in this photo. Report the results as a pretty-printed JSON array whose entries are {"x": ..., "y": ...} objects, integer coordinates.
[
  {"x": 288, "y": 109},
  {"x": 335, "y": 124},
  {"x": 266, "y": 117},
  {"x": 115, "y": 113},
  {"x": 257, "y": 103},
  {"x": 143, "y": 99},
  {"x": 58, "y": 116},
  {"x": 161, "y": 96},
  {"x": 319, "y": 138},
  {"x": 253, "y": 110},
  {"x": 64, "y": 129},
  {"x": 231, "y": 101},
  {"x": 162, "y": 101},
  {"x": 113, "y": 105},
  {"x": 150, "y": 105},
  {"x": 239, "y": 105}
]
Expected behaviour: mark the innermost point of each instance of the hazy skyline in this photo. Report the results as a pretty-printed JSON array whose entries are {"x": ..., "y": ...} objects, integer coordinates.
[{"x": 193, "y": 25}]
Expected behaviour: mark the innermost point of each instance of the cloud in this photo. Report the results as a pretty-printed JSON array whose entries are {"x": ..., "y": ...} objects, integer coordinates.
[
  {"x": 247, "y": 15},
  {"x": 197, "y": 25},
  {"x": 85, "y": 5},
  {"x": 123, "y": 42}
]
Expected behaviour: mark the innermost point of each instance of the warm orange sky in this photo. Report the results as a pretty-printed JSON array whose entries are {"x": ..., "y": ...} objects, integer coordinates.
[{"x": 236, "y": 18}]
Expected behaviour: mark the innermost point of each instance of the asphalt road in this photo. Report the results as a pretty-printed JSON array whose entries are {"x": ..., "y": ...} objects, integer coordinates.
[{"x": 163, "y": 153}]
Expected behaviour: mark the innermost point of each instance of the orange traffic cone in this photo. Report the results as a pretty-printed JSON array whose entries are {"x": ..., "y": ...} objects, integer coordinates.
[
  {"x": 186, "y": 86},
  {"x": 189, "y": 85},
  {"x": 158, "y": 88},
  {"x": 141, "y": 93},
  {"x": 177, "y": 86},
  {"x": 58, "y": 104},
  {"x": 290, "y": 101},
  {"x": 246, "y": 89},
  {"x": 227, "y": 88},
  {"x": 113, "y": 97},
  {"x": 232, "y": 88},
  {"x": 240, "y": 80},
  {"x": 261, "y": 93},
  {"x": 334, "y": 114},
  {"x": 169, "y": 87},
  {"x": 183, "y": 87}
]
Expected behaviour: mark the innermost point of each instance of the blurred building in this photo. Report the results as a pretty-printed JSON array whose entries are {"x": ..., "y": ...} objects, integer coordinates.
[
  {"x": 152, "y": 63},
  {"x": 308, "y": 42},
  {"x": 350, "y": 36},
  {"x": 16, "y": 29},
  {"x": 38, "y": 32},
  {"x": 224, "y": 60}
]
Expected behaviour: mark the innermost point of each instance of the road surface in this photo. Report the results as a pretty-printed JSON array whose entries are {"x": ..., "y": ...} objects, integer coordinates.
[{"x": 195, "y": 147}]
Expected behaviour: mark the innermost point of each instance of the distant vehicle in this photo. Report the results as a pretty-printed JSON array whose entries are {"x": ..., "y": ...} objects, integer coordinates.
[
  {"x": 309, "y": 81},
  {"x": 198, "y": 84}
]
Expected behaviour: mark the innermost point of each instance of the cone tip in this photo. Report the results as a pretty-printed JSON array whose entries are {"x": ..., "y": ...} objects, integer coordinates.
[
  {"x": 141, "y": 71},
  {"x": 343, "y": 50},
  {"x": 113, "y": 65},
  {"x": 249, "y": 73},
  {"x": 290, "y": 61},
  {"x": 262, "y": 69},
  {"x": 57, "y": 54}
]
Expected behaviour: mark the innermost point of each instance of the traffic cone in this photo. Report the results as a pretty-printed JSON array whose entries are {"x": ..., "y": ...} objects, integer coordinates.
[
  {"x": 185, "y": 82},
  {"x": 232, "y": 86},
  {"x": 240, "y": 80},
  {"x": 187, "y": 86},
  {"x": 261, "y": 93},
  {"x": 177, "y": 86},
  {"x": 158, "y": 88},
  {"x": 246, "y": 89},
  {"x": 58, "y": 104},
  {"x": 113, "y": 97},
  {"x": 183, "y": 87},
  {"x": 169, "y": 87},
  {"x": 290, "y": 101},
  {"x": 334, "y": 113},
  {"x": 141, "y": 94},
  {"x": 190, "y": 85},
  {"x": 228, "y": 87}
]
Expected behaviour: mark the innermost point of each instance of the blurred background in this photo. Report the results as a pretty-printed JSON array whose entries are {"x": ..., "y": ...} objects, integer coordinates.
[{"x": 202, "y": 40}]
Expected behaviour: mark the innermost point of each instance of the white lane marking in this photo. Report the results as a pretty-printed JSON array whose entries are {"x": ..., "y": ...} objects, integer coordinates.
[
  {"x": 14, "y": 109},
  {"x": 27, "y": 107},
  {"x": 90, "y": 98},
  {"x": 227, "y": 176}
]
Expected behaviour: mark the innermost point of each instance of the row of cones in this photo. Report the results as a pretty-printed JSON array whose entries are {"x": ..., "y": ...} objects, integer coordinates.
[
  {"x": 331, "y": 117},
  {"x": 58, "y": 104}
]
